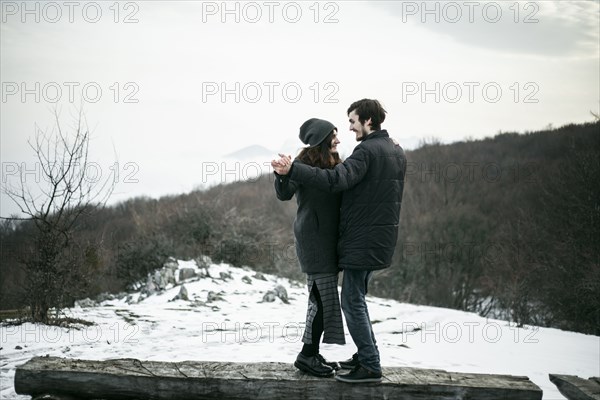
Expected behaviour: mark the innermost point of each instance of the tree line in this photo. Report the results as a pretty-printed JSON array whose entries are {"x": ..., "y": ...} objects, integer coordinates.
[{"x": 506, "y": 227}]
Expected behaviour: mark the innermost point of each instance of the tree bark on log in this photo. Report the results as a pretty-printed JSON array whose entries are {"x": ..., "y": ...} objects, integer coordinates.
[
  {"x": 576, "y": 388},
  {"x": 135, "y": 379}
]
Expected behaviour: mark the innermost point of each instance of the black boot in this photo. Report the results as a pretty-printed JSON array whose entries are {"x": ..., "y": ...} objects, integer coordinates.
[
  {"x": 313, "y": 366},
  {"x": 350, "y": 363},
  {"x": 360, "y": 375},
  {"x": 333, "y": 364}
]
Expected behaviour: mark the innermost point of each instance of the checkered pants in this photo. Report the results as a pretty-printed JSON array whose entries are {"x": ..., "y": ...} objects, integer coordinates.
[{"x": 333, "y": 331}]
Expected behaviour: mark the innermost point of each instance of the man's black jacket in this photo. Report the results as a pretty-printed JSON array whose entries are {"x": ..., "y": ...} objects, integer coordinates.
[{"x": 372, "y": 181}]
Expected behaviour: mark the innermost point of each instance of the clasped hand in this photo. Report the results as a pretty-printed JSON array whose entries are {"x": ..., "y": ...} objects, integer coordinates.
[{"x": 282, "y": 165}]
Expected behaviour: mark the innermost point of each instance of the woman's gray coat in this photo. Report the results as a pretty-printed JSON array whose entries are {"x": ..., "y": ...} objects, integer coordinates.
[{"x": 316, "y": 225}]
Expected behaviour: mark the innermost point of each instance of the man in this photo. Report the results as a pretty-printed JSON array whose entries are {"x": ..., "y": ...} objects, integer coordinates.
[{"x": 372, "y": 181}]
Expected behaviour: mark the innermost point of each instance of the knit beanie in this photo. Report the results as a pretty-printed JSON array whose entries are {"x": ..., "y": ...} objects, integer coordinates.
[{"x": 314, "y": 131}]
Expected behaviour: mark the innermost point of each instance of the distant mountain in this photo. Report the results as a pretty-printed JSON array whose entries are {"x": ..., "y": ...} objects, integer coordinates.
[{"x": 252, "y": 152}]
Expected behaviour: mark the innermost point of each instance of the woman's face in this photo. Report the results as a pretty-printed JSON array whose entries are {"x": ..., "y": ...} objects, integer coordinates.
[{"x": 334, "y": 142}]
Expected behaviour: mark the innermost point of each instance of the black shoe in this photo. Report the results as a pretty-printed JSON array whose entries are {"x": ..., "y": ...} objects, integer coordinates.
[
  {"x": 333, "y": 364},
  {"x": 350, "y": 363},
  {"x": 360, "y": 375},
  {"x": 313, "y": 366}
]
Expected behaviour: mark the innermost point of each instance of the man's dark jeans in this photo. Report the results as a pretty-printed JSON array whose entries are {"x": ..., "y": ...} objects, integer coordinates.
[{"x": 354, "y": 305}]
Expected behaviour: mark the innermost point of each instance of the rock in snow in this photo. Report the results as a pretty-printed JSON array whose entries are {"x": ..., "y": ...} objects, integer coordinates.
[
  {"x": 186, "y": 273},
  {"x": 182, "y": 295},
  {"x": 278, "y": 292},
  {"x": 85, "y": 303}
]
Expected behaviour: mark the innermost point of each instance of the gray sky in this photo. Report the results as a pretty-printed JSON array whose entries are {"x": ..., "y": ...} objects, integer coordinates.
[{"x": 172, "y": 87}]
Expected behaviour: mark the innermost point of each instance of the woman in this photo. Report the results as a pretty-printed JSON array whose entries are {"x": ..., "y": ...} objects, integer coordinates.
[{"x": 316, "y": 233}]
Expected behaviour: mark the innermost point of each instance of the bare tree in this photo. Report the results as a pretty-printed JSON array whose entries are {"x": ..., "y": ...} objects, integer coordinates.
[{"x": 65, "y": 194}]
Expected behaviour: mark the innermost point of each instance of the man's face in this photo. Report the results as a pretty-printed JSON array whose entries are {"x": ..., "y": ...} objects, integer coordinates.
[{"x": 360, "y": 130}]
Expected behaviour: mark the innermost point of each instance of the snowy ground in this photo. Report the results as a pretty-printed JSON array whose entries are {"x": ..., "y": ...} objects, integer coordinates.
[{"x": 241, "y": 327}]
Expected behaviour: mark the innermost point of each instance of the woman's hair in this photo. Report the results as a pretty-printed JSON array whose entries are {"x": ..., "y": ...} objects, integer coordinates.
[{"x": 321, "y": 155}]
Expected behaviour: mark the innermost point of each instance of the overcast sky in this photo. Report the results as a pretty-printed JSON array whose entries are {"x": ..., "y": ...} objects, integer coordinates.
[{"x": 172, "y": 87}]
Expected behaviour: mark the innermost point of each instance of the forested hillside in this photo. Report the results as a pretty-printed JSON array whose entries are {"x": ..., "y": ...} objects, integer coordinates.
[{"x": 506, "y": 226}]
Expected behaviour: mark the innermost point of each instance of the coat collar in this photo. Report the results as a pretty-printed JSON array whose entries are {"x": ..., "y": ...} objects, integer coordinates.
[{"x": 376, "y": 134}]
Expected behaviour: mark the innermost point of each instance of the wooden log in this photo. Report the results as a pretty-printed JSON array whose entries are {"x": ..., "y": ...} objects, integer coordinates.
[
  {"x": 576, "y": 388},
  {"x": 131, "y": 378},
  {"x": 49, "y": 396}
]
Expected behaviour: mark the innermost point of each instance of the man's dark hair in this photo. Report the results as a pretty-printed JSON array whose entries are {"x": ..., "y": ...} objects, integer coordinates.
[{"x": 367, "y": 108}]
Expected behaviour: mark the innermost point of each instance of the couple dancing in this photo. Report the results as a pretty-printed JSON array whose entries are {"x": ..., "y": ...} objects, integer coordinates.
[{"x": 347, "y": 219}]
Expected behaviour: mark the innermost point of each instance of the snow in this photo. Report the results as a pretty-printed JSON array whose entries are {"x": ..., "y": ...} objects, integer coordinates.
[{"x": 243, "y": 328}]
